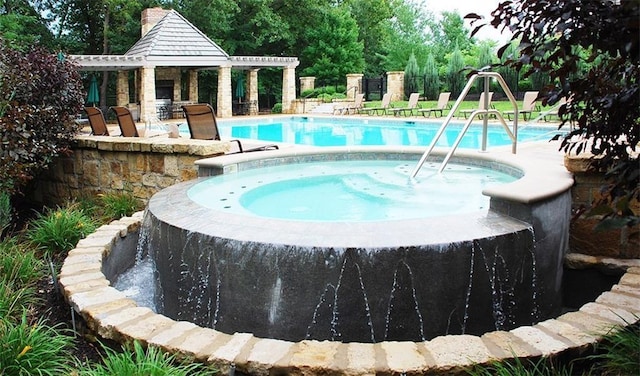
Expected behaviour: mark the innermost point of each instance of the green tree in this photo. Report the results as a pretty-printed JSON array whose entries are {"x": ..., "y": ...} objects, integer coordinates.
[
  {"x": 450, "y": 33},
  {"x": 485, "y": 59},
  {"x": 431, "y": 78},
  {"x": 508, "y": 72},
  {"x": 374, "y": 26},
  {"x": 603, "y": 101},
  {"x": 455, "y": 76},
  {"x": 22, "y": 26},
  {"x": 412, "y": 79},
  {"x": 408, "y": 34},
  {"x": 334, "y": 50}
]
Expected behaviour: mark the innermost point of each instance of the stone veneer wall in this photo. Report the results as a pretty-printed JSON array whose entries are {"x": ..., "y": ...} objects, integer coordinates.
[
  {"x": 617, "y": 243},
  {"x": 104, "y": 164}
]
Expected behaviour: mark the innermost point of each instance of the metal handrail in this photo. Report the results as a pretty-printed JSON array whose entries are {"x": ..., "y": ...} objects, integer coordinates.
[{"x": 513, "y": 134}]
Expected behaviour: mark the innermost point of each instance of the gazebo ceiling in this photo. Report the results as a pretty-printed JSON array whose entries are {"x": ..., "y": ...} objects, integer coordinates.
[{"x": 175, "y": 42}]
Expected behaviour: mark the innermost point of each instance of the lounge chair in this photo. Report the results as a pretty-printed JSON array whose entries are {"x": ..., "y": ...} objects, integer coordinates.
[
  {"x": 96, "y": 121},
  {"x": 553, "y": 113},
  {"x": 466, "y": 113},
  {"x": 528, "y": 105},
  {"x": 386, "y": 103},
  {"x": 203, "y": 126},
  {"x": 349, "y": 107},
  {"x": 125, "y": 121},
  {"x": 412, "y": 105},
  {"x": 443, "y": 104}
]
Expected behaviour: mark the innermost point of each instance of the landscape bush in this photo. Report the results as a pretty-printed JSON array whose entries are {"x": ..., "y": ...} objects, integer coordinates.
[
  {"x": 40, "y": 95},
  {"x": 57, "y": 231}
]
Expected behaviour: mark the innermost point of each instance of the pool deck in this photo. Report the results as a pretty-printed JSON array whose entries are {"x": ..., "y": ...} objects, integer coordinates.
[{"x": 112, "y": 315}]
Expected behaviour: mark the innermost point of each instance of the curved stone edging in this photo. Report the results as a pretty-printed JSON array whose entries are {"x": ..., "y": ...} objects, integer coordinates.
[{"x": 112, "y": 315}]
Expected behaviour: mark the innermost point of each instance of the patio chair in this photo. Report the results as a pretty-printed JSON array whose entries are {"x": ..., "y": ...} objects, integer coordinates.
[
  {"x": 96, "y": 121},
  {"x": 349, "y": 107},
  {"x": 528, "y": 105},
  {"x": 386, "y": 104},
  {"x": 203, "y": 126},
  {"x": 443, "y": 104},
  {"x": 411, "y": 105},
  {"x": 553, "y": 114},
  {"x": 466, "y": 113},
  {"x": 125, "y": 121}
]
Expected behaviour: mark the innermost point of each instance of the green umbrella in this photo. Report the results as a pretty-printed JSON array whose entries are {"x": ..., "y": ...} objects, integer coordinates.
[
  {"x": 93, "y": 96},
  {"x": 240, "y": 88}
]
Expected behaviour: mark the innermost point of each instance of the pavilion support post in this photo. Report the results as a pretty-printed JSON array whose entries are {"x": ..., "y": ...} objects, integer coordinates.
[
  {"x": 224, "y": 92},
  {"x": 288, "y": 89},
  {"x": 193, "y": 86},
  {"x": 122, "y": 88},
  {"x": 148, "y": 89},
  {"x": 252, "y": 90}
]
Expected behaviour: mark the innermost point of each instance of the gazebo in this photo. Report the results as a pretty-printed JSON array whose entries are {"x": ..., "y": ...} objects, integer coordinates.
[{"x": 169, "y": 45}]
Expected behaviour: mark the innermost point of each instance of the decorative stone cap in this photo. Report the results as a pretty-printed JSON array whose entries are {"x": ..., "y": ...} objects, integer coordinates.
[{"x": 154, "y": 145}]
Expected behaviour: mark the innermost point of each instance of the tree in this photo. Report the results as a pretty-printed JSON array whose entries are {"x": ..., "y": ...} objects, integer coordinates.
[
  {"x": 334, "y": 49},
  {"x": 22, "y": 26},
  {"x": 508, "y": 72},
  {"x": 557, "y": 38},
  {"x": 412, "y": 81},
  {"x": 485, "y": 59},
  {"x": 455, "y": 76},
  {"x": 374, "y": 26},
  {"x": 39, "y": 98},
  {"x": 408, "y": 34},
  {"x": 431, "y": 78}
]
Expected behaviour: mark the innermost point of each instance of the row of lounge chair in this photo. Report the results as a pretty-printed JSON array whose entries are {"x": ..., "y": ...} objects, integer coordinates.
[
  {"x": 200, "y": 117},
  {"x": 413, "y": 106}
]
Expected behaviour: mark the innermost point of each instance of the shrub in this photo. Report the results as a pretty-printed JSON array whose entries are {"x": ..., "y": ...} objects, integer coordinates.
[
  {"x": 33, "y": 349},
  {"x": 5, "y": 212},
  {"x": 19, "y": 264},
  {"x": 58, "y": 231},
  {"x": 140, "y": 362},
  {"x": 14, "y": 301},
  {"x": 277, "y": 108},
  {"x": 590, "y": 52},
  {"x": 40, "y": 96},
  {"x": 620, "y": 351},
  {"x": 118, "y": 205}
]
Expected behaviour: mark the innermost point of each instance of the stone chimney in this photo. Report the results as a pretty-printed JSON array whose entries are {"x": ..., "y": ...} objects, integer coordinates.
[{"x": 150, "y": 17}]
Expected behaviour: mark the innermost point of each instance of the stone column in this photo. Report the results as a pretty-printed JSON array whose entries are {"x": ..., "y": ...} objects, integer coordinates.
[
  {"x": 193, "y": 86},
  {"x": 395, "y": 85},
  {"x": 354, "y": 85},
  {"x": 252, "y": 90},
  {"x": 288, "y": 89},
  {"x": 224, "y": 92},
  {"x": 148, "y": 90},
  {"x": 122, "y": 88},
  {"x": 307, "y": 83}
]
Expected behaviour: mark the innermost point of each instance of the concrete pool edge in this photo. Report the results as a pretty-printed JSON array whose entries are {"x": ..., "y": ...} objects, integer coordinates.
[
  {"x": 539, "y": 181},
  {"x": 112, "y": 315}
]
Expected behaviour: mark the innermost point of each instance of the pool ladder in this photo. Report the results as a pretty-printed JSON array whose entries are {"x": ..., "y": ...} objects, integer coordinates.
[{"x": 486, "y": 111}]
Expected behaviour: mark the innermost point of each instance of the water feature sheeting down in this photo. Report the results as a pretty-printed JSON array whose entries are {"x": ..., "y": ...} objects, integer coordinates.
[
  {"x": 112, "y": 250},
  {"x": 402, "y": 280}
]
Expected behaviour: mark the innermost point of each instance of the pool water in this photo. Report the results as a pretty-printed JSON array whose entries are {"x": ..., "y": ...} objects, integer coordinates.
[
  {"x": 350, "y": 191},
  {"x": 325, "y": 131}
]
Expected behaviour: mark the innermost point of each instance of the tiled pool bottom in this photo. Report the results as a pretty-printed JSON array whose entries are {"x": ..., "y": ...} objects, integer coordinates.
[{"x": 112, "y": 315}]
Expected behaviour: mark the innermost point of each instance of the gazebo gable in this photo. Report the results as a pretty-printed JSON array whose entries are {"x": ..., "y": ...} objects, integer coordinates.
[{"x": 175, "y": 36}]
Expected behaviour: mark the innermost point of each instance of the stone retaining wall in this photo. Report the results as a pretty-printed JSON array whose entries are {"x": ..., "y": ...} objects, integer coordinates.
[
  {"x": 616, "y": 243},
  {"x": 112, "y": 315},
  {"x": 111, "y": 164}
]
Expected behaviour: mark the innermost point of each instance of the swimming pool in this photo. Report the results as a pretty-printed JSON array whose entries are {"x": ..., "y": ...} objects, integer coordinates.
[{"x": 328, "y": 131}]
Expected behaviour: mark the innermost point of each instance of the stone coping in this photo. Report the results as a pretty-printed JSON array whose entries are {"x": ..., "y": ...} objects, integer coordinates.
[
  {"x": 160, "y": 143},
  {"x": 112, "y": 315}
]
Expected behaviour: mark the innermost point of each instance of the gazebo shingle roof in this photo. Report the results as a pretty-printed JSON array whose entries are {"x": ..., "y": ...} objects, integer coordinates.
[{"x": 173, "y": 35}]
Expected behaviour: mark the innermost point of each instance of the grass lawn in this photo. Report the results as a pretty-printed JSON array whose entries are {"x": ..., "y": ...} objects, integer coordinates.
[{"x": 500, "y": 105}]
